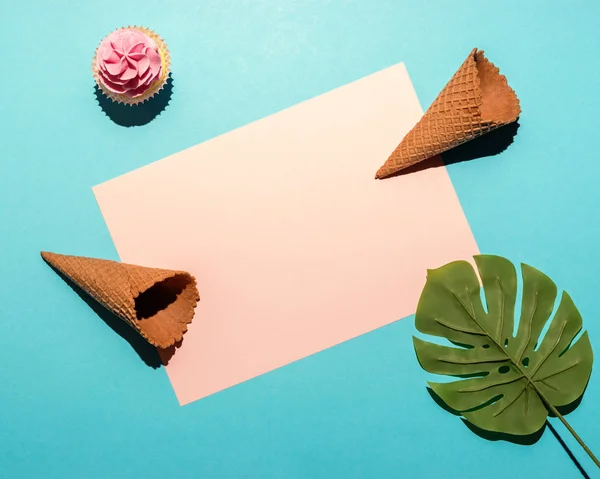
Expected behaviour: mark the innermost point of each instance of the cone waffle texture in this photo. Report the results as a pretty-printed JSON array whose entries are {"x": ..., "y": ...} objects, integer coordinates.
[
  {"x": 157, "y": 303},
  {"x": 156, "y": 87},
  {"x": 475, "y": 101}
]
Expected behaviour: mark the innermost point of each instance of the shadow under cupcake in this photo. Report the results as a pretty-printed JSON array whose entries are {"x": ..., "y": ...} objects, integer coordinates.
[{"x": 135, "y": 115}]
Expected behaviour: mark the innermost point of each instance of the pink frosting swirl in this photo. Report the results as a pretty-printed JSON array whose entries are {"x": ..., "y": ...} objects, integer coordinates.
[{"x": 128, "y": 62}]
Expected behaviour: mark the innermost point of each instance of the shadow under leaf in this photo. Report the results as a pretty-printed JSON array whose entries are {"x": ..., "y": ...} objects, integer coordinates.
[
  {"x": 568, "y": 451},
  {"x": 489, "y": 435},
  {"x": 148, "y": 353},
  {"x": 135, "y": 115},
  {"x": 526, "y": 440},
  {"x": 440, "y": 402},
  {"x": 569, "y": 408}
]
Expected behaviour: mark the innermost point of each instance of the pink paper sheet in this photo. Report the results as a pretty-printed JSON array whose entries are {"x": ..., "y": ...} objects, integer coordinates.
[{"x": 295, "y": 246}]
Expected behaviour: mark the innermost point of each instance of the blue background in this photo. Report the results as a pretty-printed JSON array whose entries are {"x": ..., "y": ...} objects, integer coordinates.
[{"x": 76, "y": 401}]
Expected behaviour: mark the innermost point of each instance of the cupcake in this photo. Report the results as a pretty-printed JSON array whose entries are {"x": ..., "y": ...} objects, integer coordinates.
[{"x": 131, "y": 65}]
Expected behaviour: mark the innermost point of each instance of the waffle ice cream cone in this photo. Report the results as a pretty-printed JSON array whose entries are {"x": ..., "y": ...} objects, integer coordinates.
[
  {"x": 475, "y": 101},
  {"x": 157, "y": 303}
]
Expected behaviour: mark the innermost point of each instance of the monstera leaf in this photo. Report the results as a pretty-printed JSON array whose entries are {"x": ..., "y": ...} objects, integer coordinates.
[{"x": 505, "y": 383}]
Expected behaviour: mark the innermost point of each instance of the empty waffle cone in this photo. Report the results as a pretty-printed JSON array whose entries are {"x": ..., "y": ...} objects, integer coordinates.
[
  {"x": 158, "y": 303},
  {"x": 475, "y": 101}
]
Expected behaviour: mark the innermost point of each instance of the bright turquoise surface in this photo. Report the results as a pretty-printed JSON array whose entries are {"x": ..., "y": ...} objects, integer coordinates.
[{"x": 75, "y": 400}]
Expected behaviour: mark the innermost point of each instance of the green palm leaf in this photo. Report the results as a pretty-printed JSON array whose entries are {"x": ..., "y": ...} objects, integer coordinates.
[{"x": 507, "y": 382}]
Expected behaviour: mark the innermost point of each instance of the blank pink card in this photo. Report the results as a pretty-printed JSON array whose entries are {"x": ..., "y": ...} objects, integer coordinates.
[{"x": 294, "y": 244}]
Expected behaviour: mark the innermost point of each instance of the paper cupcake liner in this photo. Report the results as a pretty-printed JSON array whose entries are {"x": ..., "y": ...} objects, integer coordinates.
[{"x": 156, "y": 87}]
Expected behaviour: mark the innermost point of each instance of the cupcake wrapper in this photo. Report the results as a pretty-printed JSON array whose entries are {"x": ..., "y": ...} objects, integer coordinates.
[{"x": 156, "y": 87}]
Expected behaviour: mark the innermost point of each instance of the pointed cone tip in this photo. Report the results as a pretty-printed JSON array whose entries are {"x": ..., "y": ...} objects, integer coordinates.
[
  {"x": 380, "y": 175},
  {"x": 48, "y": 257}
]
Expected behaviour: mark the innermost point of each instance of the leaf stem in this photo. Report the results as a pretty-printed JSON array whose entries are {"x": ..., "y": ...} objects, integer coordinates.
[
  {"x": 572, "y": 431},
  {"x": 529, "y": 377}
]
